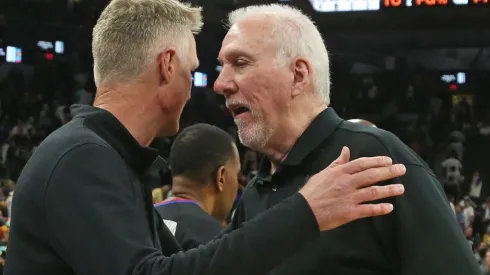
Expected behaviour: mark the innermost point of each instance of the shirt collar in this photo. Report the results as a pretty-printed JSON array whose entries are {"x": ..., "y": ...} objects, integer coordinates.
[
  {"x": 141, "y": 158},
  {"x": 319, "y": 130}
]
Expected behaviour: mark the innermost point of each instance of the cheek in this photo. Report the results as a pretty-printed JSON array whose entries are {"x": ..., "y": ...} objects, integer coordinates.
[
  {"x": 256, "y": 88},
  {"x": 183, "y": 92}
]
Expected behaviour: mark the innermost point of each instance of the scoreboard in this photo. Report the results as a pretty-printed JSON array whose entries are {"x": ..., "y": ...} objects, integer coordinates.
[{"x": 376, "y": 5}]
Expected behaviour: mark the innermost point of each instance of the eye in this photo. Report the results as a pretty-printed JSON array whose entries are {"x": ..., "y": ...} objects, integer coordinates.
[{"x": 239, "y": 63}]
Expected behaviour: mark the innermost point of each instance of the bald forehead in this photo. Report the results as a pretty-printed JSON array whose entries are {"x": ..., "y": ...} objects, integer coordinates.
[
  {"x": 259, "y": 27},
  {"x": 250, "y": 35}
]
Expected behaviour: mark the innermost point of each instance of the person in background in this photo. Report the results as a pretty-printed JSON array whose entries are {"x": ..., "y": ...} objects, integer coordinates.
[
  {"x": 475, "y": 187},
  {"x": 205, "y": 169},
  {"x": 486, "y": 215},
  {"x": 166, "y": 191},
  {"x": 452, "y": 170},
  {"x": 9, "y": 203},
  {"x": 157, "y": 195},
  {"x": 460, "y": 217},
  {"x": 456, "y": 141},
  {"x": 473, "y": 240},
  {"x": 468, "y": 210},
  {"x": 486, "y": 264},
  {"x": 450, "y": 199}
]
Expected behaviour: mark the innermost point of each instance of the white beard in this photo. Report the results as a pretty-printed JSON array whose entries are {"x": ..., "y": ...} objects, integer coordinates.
[{"x": 254, "y": 135}]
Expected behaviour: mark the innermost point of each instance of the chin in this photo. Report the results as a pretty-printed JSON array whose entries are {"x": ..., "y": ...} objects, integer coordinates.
[
  {"x": 254, "y": 137},
  {"x": 253, "y": 142}
]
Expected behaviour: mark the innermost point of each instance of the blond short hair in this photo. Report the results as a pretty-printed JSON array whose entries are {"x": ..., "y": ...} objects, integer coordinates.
[
  {"x": 130, "y": 33},
  {"x": 296, "y": 35}
]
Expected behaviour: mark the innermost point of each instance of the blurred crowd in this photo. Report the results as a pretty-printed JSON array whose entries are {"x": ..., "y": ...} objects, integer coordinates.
[{"x": 448, "y": 131}]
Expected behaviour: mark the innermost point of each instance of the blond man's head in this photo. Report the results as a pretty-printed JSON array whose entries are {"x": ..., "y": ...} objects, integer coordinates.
[{"x": 130, "y": 34}]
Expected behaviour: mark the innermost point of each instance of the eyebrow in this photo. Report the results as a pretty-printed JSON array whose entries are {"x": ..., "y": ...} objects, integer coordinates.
[{"x": 234, "y": 53}]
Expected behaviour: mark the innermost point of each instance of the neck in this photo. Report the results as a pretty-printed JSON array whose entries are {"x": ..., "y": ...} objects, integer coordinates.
[
  {"x": 291, "y": 129},
  {"x": 140, "y": 117},
  {"x": 191, "y": 190}
]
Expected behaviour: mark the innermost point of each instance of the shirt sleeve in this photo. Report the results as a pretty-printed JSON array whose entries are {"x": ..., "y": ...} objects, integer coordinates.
[
  {"x": 97, "y": 229},
  {"x": 429, "y": 238}
]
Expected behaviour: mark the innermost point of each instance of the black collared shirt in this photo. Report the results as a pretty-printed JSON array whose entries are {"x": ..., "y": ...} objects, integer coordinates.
[
  {"x": 421, "y": 237},
  {"x": 82, "y": 205}
]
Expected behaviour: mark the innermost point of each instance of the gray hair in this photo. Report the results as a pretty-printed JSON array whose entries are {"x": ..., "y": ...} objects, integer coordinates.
[
  {"x": 296, "y": 35},
  {"x": 130, "y": 33}
]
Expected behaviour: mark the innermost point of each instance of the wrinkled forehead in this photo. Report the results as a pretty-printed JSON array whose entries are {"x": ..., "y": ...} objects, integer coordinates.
[{"x": 251, "y": 36}]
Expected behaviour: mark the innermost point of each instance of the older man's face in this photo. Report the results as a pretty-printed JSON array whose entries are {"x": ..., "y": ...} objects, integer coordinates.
[{"x": 256, "y": 90}]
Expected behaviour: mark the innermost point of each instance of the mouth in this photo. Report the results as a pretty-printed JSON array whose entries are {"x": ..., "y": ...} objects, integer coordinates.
[{"x": 237, "y": 109}]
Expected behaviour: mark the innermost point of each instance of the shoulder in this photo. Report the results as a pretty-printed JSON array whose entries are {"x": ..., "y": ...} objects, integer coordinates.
[
  {"x": 169, "y": 212},
  {"x": 70, "y": 139},
  {"x": 71, "y": 135},
  {"x": 372, "y": 141},
  {"x": 69, "y": 149}
]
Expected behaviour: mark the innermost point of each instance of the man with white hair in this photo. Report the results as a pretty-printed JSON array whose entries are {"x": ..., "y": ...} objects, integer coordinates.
[
  {"x": 83, "y": 202},
  {"x": 276, "y": 83}
]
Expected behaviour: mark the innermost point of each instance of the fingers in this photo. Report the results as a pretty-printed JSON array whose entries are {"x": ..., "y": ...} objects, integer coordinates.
[
  {"x": 362, "y": 164},
  {"x": 373, "y": 193},
  {"x": 344, "y": 155},
  {"x": 370, "y": 210},
  {"x": 374, "y": 175},
  {"x": 342, "y": 159}
]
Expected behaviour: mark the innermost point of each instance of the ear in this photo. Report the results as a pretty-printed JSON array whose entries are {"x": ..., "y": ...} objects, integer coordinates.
[
  {"x": 301, "y": 69},
  {"x": 220, "y": 178},
  {"x": 167, "y": 65}
]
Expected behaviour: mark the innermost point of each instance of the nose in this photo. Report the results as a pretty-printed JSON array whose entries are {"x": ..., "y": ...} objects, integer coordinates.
[{"x": 224, "y": 84}]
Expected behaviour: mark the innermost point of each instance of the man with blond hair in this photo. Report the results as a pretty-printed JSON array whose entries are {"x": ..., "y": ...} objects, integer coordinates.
[
  {"x": 83, "y": 202},
  {"x": 276, "y": 81}
]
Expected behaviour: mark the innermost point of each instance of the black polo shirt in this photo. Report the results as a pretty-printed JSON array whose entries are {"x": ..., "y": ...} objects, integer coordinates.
[
  {"x": 82, "y": 205},
  {"x": 421, "y": 236},
  {"x": 188, "y": 222}
]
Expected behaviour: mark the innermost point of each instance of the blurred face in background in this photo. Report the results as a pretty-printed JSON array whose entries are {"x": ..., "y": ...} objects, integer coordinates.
[
  {"x": 256, "y": 90},
  {"x": 476, "y": 177},
  {"x": 458, "y": 209}
]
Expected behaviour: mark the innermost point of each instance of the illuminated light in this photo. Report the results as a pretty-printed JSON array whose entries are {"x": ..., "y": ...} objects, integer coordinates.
[
  {"x": 448, "y": 78},
  {"x": 345, "y": 5},
  {"x": 59, "y": 47},
  {"x": 392, "y": 3},
  {"x": 453, "y": 87},
  {"x": 461, "y": 78},
  {"x": 431, "y": 2},
  {"x": 45, "y": 45},
  {"x": 49, "y": 56},
  {"x": 14, "y": 54}
]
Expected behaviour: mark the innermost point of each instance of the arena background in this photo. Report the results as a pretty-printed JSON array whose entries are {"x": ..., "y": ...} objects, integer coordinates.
[{"x": 418, "y": 68}]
